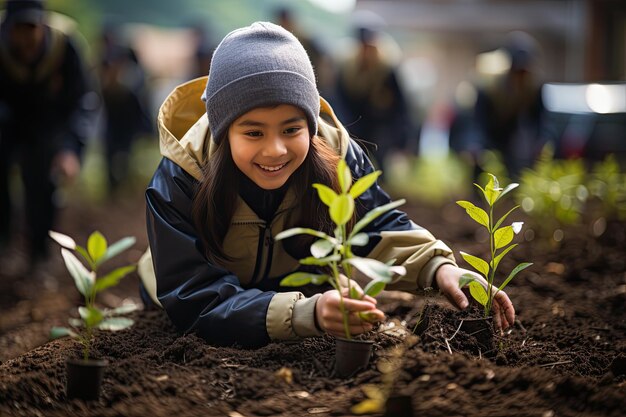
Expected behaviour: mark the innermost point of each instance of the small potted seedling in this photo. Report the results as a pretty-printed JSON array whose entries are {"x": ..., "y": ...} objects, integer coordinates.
[
  {"x": 500, "y": 238},
  {"x": 84, "y": 376},
  {"x": 333, "y": 254}
]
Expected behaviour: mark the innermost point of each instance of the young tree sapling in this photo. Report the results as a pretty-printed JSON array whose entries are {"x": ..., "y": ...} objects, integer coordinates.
[
  {"x": 89, "y": 285},
  {"x": 500, "y": 238},
  {"x": 335, "y": 252}
]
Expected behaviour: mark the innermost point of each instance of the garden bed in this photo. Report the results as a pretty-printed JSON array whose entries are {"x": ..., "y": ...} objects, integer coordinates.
[{"x": 566, "y": 355}]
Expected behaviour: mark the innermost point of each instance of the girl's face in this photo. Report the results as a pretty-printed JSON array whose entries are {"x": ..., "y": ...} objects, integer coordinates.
[{"x": 269, "y": 143}]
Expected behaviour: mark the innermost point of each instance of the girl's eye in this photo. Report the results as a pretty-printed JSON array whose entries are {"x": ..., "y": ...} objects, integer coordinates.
[
  {"x": 254, "y": 134},
  {"x": 292, "y": 130}
]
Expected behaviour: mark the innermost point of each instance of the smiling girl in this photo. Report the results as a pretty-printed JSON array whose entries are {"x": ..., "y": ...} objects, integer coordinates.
[{"x": 237, "y": 170}]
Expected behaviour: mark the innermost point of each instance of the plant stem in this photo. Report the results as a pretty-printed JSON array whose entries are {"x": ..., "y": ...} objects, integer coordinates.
[
  {"x": 342, "y": 307},
  {"x": 86, "y": 341},
  {"x": 492, "y": 271}
]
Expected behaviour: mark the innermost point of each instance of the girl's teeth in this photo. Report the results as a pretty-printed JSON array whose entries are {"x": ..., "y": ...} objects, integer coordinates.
[{"x": 271, "y": 168}]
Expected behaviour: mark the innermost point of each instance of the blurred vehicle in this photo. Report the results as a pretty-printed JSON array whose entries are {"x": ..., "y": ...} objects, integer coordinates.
[{"x": 586, "y": 120}]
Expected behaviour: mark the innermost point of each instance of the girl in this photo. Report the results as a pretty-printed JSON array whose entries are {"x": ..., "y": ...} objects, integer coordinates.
[{"x": 239, "y": 169}]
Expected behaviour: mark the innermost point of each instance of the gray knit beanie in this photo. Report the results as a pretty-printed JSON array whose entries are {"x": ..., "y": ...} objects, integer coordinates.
[{"x": 258, "y": 66}]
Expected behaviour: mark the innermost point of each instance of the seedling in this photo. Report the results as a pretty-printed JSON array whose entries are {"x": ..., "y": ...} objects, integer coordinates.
[
  {"x": 334, "y": 253},
  {"x": 89, "y": 285},
  {"x": 500, "y": 239}
]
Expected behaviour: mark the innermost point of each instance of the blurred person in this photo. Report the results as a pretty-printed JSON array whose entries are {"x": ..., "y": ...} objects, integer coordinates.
[
  {"x": 46, "y": 107},
  {"x": 509, "y": 112},
  {"x": 370, "y": 98},
  {"x": 322, "y": 63},
  {"x": 203, "y": 51},
  {"x": 123, "y": 84},
  {"x": 237, "y": 170}
]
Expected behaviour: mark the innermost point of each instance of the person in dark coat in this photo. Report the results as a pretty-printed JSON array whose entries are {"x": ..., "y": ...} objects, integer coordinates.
[{"x": 45, "y": 112}]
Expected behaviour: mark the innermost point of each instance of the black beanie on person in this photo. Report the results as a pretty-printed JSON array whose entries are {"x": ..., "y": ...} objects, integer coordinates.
[
  {"x": 259, "y": 65},
  {"x": 24, "y": 11}
]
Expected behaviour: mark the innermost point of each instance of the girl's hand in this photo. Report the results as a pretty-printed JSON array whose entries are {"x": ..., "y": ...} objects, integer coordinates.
[
  {"x": 330, "y": 320},
  {"x": 448, "y": 277}
]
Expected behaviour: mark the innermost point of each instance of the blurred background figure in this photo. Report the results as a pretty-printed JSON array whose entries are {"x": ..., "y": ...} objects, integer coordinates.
[
  {"x": 370, "y": 100},
  {"x": 46, "y": 110},
  {"x": 126, "y": 108},
  {"x": 203, "y": 53},
  {"x": 322, "y": 63},
  {"x": 509, "y": 112}
]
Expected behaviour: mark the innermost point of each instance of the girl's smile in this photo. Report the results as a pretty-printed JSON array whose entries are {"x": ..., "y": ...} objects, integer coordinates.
[
  {"x": 269, "y": 143},
  {"x": 272, "y": 168}
]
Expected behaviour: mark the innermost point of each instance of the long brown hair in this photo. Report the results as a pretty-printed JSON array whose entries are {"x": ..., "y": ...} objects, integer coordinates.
[{"x": 216, "y": 197}]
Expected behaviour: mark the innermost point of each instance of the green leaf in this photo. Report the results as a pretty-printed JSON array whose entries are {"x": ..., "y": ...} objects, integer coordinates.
[
  {"x": 303, "y": 231},
  {"x": 482, "y": 190},
  {"x": 499, "y": 257},
  {"x": 83, "y": 279},
  {"x": 325, "y": 193},
  {"x": 312, "y": 260},
  {"x": 503, "y": 236},
  {"x": 344, "y": 176},
  {"x": 373, "y": 288},
  {"x": 319, "y": 279},
  {"x": 90, "y": 315},
  {"x": 342, "y": 209},
  {"x": 96, "y": 245},
  {"x": 373, "y": 214},
  {"x": 507, "y": 189},
  {"x": 63, "y": 240},
  {"x": 514, "y": 272},
  {"x": 368, "y": 316},
  {"x": 363, "y": 183},
  {"x": 125, "y": 309},
  {"x": 113, "y": 278},
  {"x": 114, "y": 324},
  {"x": 57, "y": 332},
  {"x": 466, "y": 279},
  {"x": 354, "y": 293},
  {"x": 297, "y": 279},
  {"x": 321, "y": 248},
  {"x": 360, "y": 239},
  {"x": 492, "y": 190},
  {"x": 479, "y": 215},
  {"x": 478, "y": 292},
  {"x": 375, "y": 269},
  {"x": 83, "y": 252},
  {"x": 504, "y": 217},
  {"x": 116, "y": 248},
  {"x": 478, "y": 264}
]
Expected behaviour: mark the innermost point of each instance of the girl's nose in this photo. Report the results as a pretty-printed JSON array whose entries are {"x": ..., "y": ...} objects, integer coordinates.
[{"x": 274, "y": 146}]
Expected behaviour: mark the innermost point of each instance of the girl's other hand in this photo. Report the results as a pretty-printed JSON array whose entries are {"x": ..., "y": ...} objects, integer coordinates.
[{"x": 448, "y": 277}]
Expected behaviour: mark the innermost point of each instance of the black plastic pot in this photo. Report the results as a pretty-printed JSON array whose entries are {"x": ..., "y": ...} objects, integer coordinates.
[
  {"x": 351, "y": 356},
  {"x": 482, "y": 330},
  {"x": 84, "y": 378},
  {"x": 399, "y": 406}
]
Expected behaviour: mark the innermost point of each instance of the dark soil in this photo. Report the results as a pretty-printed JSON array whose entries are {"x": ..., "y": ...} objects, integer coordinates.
[{"x": 566, "y": 355}]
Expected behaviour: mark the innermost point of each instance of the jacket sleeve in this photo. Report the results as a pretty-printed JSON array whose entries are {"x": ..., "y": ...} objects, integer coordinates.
[
  {"x": 202, "y": 297},
  {"x": 394, "y": 236}
]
